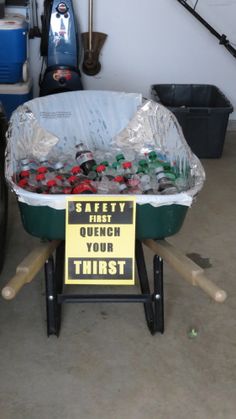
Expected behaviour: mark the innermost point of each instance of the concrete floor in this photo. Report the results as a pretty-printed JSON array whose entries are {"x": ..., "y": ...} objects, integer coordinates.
[{"x": 105, "y": 364}]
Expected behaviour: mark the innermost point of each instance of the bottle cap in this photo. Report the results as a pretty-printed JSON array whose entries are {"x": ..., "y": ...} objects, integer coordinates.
[
  {"x": 51, "y": 183},
  {"x": 43, "y": 160},
  {"x": 42, "y": 169},
  {"x": 75, "y": 170},
  {"x": 127, "y": 165},
  {"x": 152, "y": 155},
  {"x": 119, "y": 179},
  {"x": 143, "y": 163},
  {"x": 115, "y": 165},
  {"x": 120, "y": 157},
  {"x": 59, "y": 177},
  {"x": 24, "y": 173},
  {"x": 101, "y": 168},
  {"x": 22, "y": 183},
  {"x": 24, "y": 162},
  {"x": 40, "y": 176},
  {"x": 58, "y": 165},
  {"x": 72, "y": 179}
]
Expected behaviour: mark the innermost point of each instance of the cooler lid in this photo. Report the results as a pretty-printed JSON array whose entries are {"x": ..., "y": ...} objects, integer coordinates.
[{"x": 13, "y": 21}]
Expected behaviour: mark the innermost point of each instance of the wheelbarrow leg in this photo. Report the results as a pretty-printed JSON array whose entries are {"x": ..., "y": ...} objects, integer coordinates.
[
  {"x": 54, "y": 283},
  {"x": 144, "y": 285},
  {"x": 158, "y": 293}
]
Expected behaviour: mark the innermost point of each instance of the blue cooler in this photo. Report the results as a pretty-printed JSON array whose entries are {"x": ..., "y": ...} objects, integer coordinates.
[
  {"x": 14, "y": 95},
  {"x": 13, "y": 48}
]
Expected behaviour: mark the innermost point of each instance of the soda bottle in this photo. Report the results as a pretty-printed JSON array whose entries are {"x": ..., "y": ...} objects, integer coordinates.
[
  {"x": 128, "y": 172},
  {"x": 123, "y": 188},
  {"x": 53, "y": 187},
  {"x": 43, "y": 162},
  {"x": 84, "y": 188},
  {"x": 23, "y": 183},
  {"x": 84, "y": 158},
  {"x": 165, "y": 185},
  {"x": 143, "y": 166},
  {"x": 120, "y": 158}
]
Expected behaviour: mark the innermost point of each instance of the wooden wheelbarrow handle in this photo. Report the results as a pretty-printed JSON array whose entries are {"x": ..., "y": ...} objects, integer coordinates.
[
  {"x": 189, "y": 270},
  {"x": 29, "y": 268}
]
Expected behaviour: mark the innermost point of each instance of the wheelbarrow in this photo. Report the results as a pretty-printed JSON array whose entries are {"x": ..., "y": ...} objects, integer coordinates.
[{"x": 157, "y": 217}]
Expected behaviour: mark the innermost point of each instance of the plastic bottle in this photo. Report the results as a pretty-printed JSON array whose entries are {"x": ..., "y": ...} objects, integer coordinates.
[
  {"x": 165, "y": 185},
  {"x": 127, "y": 170},
  {"x": 123, "y": 188},
  {"x": 143, "y": 166},
  {"x": 84, "y": 158},
  {"x": 23, "y": 183},
  {"x": 120, "y": 158},
  {"x": 84, "y": 188},
  {"x": 43, "y": 162}
]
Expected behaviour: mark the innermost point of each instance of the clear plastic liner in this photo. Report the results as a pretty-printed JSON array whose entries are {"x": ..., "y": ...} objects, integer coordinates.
[{"x": 106, "y": 122}]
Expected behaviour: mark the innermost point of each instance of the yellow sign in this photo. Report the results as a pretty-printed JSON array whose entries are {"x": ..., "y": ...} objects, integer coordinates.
[{"x": 100, "y": 240}]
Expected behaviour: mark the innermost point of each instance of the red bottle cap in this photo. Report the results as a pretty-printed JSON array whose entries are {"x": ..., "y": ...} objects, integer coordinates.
[
  {"x": 119, "y": 179},
  {"x": 42, "y": 169},
  {"x": 24, "y": 173},
  {"x": 41, "y": 176},
  {"x": 101, "y": 168},
  {"x": 127, "y": 165},
  {"x": 72, "y": 179},
  {"x": 51, "y": 183},
  {"x": 59, "y": 177},
  {"x": 22, "y": 183},
  {"x": 75, "y": 170}
]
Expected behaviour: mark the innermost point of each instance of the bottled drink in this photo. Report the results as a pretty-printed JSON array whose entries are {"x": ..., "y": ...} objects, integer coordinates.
[
  {"x": 43, "y": 162},
  {"x": 120, "y": 158},
  {"x": 53, "y": 187},
  {"x": 143, "y": 166},
  {"x": 84, "y": 187},
  {"x": 84, "y": 158},
  {"x": 165, "y": 185},
  {"x": 121, "y": 183},
  {"x": 128, "y": 172},
  {"x": 23, "y": 183}
]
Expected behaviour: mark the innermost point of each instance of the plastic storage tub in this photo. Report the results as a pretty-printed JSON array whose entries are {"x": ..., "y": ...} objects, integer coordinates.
[
  {"x": 13, "y": 95},
  {"x": 13, "y": 51},
  {"x": 202, "y": 111}
]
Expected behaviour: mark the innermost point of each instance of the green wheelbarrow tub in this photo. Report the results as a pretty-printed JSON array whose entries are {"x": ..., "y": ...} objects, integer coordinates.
[{"x": 151, "y": 222}]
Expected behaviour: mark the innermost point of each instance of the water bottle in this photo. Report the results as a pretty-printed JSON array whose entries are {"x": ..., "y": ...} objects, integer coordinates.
[{"x": 84, "y": 158}]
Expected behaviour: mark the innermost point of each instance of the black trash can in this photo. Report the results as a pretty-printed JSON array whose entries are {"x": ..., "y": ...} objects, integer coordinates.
[{"x": 202, "y": 111}]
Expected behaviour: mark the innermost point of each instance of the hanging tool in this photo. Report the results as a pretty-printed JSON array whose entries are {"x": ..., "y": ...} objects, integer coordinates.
[
  {"x": 34, "y": 31},
  {"x": 93, "y": 43},
  {"x": 222, "y": 38}
]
